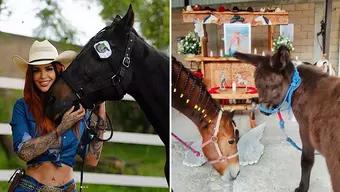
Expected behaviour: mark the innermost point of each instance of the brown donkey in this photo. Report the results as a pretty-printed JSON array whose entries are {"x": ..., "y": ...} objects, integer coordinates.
[
  {"x": 315, "y": 104},
  {"x": 190, "y": 97}
]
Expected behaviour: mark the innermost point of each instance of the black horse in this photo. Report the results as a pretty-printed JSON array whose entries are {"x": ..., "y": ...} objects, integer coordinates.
[{"x": 114, "y": 62}]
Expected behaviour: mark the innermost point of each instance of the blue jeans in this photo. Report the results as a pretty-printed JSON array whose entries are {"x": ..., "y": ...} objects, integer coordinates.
[{"x": 29, "y": 184}]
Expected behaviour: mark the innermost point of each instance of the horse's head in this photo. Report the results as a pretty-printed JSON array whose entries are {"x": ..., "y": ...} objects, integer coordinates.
[
  {"x": 272, "y": 75},
  {"x": 101, "y": 71},
  {"x": 226, "y": 140}
]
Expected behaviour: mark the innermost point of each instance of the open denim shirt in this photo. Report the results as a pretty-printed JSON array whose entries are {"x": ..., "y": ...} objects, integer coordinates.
[{"x": 23, "y": 128}]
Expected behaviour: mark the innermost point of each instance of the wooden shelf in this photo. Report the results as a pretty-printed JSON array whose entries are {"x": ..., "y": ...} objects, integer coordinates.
[
  {"x": 237, "y": 107},
  {"x": 212, "y": 59},
  {"x": 239, "y": 94},
  {"x": 276, "y": 18}
]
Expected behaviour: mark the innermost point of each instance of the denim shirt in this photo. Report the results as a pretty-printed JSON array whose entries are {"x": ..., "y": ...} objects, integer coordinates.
[{"x": 24, "y": 128}]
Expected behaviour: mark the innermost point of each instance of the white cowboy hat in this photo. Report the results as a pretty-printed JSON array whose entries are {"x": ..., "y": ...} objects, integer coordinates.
[{"x": 44, "y": 53}]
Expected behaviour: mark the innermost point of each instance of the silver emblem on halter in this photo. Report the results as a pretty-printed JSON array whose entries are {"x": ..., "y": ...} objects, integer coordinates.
[
  {"x": 214, "y": 140},
  {"x": 103, "y": 49}
]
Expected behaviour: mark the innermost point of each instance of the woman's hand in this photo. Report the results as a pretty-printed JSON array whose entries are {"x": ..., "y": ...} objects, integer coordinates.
[{"x": 70, "y": 118}]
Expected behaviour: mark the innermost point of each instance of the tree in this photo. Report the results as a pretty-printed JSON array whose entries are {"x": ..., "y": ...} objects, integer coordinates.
[
  {"x": 53, "y": 24},
  {"x": 153, "y": 16},
  {"x": 4, "y": 10}
]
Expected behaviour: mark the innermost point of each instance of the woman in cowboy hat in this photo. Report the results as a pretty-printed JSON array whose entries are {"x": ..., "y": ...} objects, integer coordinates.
[{"x": 48, "y": 149}]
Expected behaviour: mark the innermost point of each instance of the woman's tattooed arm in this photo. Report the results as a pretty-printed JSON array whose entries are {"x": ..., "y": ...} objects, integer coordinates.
[
  {"x": 36, "y": 146},
  {"x": 95, "y": 147}
]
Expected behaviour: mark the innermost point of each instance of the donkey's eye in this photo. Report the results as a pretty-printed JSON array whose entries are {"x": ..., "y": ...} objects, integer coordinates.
[{"x": 231, "y": 141}]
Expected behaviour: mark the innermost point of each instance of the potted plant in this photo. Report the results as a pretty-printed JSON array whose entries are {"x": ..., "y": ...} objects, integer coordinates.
[
  {"x": 282, "y": 40},
  {"x": 189, "y": 45}
]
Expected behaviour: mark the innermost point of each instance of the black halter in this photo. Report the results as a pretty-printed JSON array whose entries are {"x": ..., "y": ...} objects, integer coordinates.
[{"x": 118, "y": 80}]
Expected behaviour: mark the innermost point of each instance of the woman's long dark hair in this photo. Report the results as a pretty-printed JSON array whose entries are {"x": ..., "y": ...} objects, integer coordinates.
[{"x": 35, "y": 101}]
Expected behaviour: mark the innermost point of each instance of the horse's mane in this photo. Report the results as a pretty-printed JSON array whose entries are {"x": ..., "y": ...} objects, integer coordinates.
[{"x": 198, "y": 81}]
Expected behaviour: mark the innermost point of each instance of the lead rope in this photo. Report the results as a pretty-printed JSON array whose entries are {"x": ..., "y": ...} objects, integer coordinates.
[
  {"x": 289, "y": 139},
  {"x": 197, "y": 153},
  {"x": 91, "y": 135},
  {"x": 282, "y": 127}
]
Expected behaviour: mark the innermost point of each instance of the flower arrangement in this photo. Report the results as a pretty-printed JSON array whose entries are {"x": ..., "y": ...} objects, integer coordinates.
[
  {"x": 282, "y": 40},
  {"x": 190, "y": 44}
]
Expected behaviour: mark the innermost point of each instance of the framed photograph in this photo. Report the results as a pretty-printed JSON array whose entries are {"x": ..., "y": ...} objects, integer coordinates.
[
  {"x": 237, "y": 37},
  {"x": 287, "y": 31}
]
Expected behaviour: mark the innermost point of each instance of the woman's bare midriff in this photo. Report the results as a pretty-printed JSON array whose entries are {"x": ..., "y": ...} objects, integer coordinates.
[{"x": 49, "y": 174}]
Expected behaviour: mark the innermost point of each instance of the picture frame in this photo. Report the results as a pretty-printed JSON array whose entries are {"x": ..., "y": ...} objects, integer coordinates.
[
  {"x": 287, "y": 31},
  {"x": 237, "y": 37}
]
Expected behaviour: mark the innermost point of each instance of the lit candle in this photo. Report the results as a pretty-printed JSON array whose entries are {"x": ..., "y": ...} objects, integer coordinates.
[
  {"x": 255, "y": 51},
  {"x": 263, "y": 53},
  {"x": 233, "y": 86},
  {"x": 211, "y": 53},
  {"x": 221, "y": 52},
  {"x": 296, "y": 58}
]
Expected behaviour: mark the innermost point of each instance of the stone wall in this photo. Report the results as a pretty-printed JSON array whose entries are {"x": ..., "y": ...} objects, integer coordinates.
[{"x": 306, "y": 17}]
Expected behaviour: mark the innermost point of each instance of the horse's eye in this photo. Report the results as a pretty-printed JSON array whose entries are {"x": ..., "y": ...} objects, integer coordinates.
[{"x": 231, "y": 141}]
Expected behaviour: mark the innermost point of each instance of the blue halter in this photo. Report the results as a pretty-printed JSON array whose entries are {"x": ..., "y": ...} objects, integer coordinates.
[{"x": 296, "y": 82}]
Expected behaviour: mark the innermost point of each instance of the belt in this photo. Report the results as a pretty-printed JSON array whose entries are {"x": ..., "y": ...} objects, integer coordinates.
[
  {"x": 46, "y": 188},
  {"x": 32, "y": 186}
]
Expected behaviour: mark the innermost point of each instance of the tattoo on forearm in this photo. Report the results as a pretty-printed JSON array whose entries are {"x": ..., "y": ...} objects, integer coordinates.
[
  {"x": 96, "y": 146},
  {"x": 36, "y": 146}
]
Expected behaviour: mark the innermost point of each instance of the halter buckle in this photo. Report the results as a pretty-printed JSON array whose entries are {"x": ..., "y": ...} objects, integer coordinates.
[
  {"x": 126, "y": 62},
  {"x": 115, "y": 79},
  {"x": 214, "y": 139}
]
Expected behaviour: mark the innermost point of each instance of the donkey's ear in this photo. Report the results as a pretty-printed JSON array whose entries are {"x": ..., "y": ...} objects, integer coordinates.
[
  {"x": 250, "y": 58},
  {"x": 281, "y": 58},
  {"x": 127, "y": 21}
]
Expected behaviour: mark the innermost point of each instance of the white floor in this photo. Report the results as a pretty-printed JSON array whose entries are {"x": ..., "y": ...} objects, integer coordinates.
[{"x": 278, "y": 170}]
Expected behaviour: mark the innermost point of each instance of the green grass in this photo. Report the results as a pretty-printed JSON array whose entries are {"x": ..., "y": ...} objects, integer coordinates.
[
  {"x": 138, "y": 160},
  {"x": 7, "y": 101}
]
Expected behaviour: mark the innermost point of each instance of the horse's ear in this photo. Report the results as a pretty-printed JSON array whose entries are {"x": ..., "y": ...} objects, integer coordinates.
[
  {"x": 127, "y": 21},
  {"x": 232, "y": 113},
  {"x": 250, "y": 58},
  {"x": 281, "y": 58}
]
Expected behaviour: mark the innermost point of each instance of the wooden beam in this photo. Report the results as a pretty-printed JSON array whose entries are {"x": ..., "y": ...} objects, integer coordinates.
[
  {"x": 328, "y": 19},
  {"x": 270, "y": 37},
  {"x": 204, "y": 42}
]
